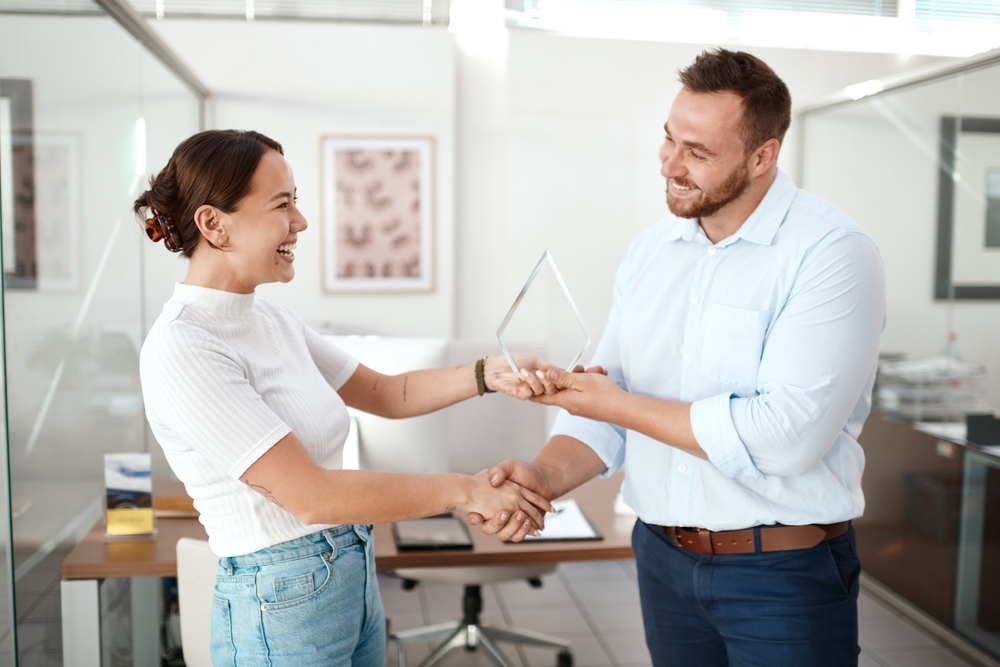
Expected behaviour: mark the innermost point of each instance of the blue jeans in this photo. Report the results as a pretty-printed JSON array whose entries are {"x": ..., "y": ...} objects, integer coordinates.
[
  {"x": 307, "y": 602},
  {"x": 777, "y": 609}
]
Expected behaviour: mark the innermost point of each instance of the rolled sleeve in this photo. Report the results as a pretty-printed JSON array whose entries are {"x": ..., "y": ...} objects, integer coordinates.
[
  {"x": 713, "y": 427},
  {"x": 607, "y": 440}
]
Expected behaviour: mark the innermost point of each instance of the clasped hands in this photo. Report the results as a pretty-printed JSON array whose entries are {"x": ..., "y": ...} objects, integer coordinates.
[{"x": 585, "y": 392}]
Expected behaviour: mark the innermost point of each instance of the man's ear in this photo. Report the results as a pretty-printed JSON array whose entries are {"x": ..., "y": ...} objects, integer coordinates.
[{"x": 764, "y": 158}]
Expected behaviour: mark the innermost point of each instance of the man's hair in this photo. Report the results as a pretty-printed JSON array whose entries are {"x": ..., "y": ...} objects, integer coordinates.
[{"x": 767, "y": 104}]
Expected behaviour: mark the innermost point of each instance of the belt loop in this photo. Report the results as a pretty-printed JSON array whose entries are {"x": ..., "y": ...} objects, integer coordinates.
[
  {"x": 756, "y": 540},
  {"x": 705, "y": 541},
  {"x": 363, "y": 533},
  {"x": 227, "y": 563}
]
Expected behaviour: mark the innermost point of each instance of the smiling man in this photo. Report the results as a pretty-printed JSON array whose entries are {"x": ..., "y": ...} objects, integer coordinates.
[{"x": 740, "y": 354}]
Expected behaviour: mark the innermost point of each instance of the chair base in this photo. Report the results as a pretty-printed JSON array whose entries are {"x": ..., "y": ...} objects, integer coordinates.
[{"x": 473, "y": 636}]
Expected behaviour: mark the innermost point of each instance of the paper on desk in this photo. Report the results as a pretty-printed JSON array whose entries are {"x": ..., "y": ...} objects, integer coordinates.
[{"x": 568, "y": 523}]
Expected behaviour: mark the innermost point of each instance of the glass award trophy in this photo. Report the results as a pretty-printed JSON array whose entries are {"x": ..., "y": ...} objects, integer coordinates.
[{"x": 544, "y": 321}]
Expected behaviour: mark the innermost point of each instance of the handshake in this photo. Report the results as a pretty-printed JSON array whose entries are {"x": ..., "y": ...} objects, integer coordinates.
[{"x": 510, "y": 499}]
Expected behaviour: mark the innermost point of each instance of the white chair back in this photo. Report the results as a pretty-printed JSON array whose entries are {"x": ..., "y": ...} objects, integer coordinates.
[{"x": 196, "y": 565}]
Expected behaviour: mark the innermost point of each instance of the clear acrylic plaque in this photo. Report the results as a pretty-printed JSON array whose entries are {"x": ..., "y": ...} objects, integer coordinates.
[{"x": 544, "y": 320}]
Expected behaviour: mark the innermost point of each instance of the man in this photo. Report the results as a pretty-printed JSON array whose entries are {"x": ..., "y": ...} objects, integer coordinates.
[{"x": 740, "y": 353}]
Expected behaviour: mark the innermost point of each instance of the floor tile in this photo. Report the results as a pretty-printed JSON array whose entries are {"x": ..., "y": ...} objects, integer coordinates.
[
  {"x": 869, "y": 607},
  {"x": 601, "y": 571},
  {"x": 891, "y": 632},
  {"x": 934, "y": 657},
  {"x": 606, "y": 594},
  {"x": 587, "y": 652},
  {"x": 563, "y": 622},
  {"x": 616, "y": 620},
  {"x": 404, "y": 621},
  {"x": 866, "y": 660},
  {"x": 519, "y": 595},
  {"x": 627, "y": 648}
]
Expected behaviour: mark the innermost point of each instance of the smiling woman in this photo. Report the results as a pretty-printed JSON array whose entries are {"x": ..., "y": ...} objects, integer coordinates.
[{"x": 250, "y": 407}]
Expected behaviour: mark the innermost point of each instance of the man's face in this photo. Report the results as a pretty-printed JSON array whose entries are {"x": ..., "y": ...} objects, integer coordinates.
[{"x": 702, "y": 156}]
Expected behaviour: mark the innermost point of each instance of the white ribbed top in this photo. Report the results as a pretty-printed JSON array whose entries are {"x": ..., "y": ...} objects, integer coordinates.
[{"x": 224, "y": 377}]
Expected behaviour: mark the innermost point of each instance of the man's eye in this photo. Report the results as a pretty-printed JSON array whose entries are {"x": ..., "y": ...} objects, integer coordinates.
[{"x": 696, "y": 156}]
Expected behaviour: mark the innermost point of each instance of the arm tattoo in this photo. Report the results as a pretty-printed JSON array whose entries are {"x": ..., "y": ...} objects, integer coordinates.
[
  {"x": 450, "y": 509},
  {"x": 375, "y": 386},
  {"x": 405, "y": 380},
  {"x": 264, "y": 492}
]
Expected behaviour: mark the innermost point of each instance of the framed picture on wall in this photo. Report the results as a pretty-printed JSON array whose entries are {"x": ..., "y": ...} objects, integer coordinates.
[
  {"x": 57, "y": 211},
  {"x": 968, "y": 232},
  {"x": 377, "y": 213}
]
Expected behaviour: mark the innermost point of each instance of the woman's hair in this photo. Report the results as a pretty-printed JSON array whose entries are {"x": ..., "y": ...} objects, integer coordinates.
[{"x": 213, "y": 167}]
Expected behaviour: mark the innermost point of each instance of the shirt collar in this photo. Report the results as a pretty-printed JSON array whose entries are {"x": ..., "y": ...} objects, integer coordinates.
[
  {"x": 206, "y": 298},
  {"x": 760, "y": 227}
]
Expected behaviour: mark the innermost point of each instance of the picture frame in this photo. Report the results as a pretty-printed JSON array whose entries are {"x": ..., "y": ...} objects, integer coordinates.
[
  {"x": 57, "y": 211},
  {"x": 377, "y": 215},
  {"x": 963, "y": 243}
]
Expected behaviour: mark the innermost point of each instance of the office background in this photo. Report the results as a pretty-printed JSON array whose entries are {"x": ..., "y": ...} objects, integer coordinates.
[{"x": 546, "y": 131}]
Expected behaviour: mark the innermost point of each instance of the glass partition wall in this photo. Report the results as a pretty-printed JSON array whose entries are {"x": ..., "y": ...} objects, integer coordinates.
[
  {"x": 918, "y": 166},
  {"x": 86, "y": 113}
]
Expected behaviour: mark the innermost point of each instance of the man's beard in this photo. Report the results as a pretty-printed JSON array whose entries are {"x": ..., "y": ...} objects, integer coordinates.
[{"x": 711, "y": 201}]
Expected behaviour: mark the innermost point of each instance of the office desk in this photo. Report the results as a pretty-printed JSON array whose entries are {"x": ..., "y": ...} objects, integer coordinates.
[{"x": 145, "y": 561}]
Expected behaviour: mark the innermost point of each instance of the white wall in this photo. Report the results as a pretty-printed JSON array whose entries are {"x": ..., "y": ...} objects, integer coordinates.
[{"x": 297, "y": 81}]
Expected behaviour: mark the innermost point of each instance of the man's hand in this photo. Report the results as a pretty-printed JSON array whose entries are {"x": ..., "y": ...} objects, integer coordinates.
[
  {"x": 524, "y": 474},
  {"x": 591, "y": 394},
  {"x": 531, "y": 380}
]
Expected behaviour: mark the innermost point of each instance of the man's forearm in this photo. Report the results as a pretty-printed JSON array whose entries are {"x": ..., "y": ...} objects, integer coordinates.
[
  {"x": 668, "y": 422},
  {"x": 565, "y": 463}
]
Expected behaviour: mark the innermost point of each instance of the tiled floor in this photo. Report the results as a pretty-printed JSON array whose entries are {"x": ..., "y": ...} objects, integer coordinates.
[{"x": 596, "y": 607}]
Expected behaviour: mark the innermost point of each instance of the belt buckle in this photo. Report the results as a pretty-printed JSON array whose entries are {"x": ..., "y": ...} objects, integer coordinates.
[{"x": 676, "y": 535}]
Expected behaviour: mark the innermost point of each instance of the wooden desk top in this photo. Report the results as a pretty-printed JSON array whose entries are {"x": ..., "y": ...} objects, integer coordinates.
[{"x": 93, "y": 558}]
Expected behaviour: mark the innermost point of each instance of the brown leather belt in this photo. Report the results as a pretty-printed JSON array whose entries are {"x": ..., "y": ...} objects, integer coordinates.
[{"x": 772, "y": 538}]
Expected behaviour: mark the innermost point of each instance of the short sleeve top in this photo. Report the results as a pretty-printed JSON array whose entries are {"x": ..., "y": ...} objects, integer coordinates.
[{"x": 226, "y": 376}]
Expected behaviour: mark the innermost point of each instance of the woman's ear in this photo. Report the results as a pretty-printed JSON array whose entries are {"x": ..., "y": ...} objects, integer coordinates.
[{"x": 210, "y": 226}]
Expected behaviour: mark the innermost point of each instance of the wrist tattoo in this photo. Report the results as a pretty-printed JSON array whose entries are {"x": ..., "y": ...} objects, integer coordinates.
[
  {"x": 375, "y": 386},
  {"x": 450, "y": 509},
  {"x": 264, "y": 492},
  {"x": 405, "y": 380}
]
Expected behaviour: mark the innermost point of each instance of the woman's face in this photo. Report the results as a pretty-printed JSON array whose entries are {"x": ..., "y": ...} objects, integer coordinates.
[{"x": 262, "y": 232}]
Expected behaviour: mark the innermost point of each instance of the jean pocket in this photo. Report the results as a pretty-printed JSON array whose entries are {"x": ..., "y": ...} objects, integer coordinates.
[
  {"x": 297, "y": 582},
  {"x": 222, "y": 647},
  {"x": 733, "y": 344}
]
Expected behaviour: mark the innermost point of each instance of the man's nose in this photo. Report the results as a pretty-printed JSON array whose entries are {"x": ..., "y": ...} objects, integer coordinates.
[{"x": 670, "y": 165}]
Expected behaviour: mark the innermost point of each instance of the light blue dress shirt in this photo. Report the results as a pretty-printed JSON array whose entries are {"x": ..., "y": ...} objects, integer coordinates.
[{"x": 772, "y": 334}]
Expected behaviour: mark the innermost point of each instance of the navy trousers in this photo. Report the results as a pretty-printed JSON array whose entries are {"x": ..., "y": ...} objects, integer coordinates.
[{"x": 779, "y": 609}]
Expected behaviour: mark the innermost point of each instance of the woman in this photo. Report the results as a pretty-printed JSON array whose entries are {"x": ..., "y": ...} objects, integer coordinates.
[{"x": 249, "y": 405}]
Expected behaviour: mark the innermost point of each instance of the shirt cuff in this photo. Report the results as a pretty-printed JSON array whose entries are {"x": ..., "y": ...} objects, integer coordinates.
[
  {"x": 713, "y": 427},
  {"x": 603, "y": 438}
]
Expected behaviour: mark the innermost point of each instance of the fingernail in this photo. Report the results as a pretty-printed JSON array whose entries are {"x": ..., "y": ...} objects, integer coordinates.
[
  {"x": 519, "y": 517},
  {"x": 536, "y": 533},
  {"x": 540, "y": 374},
  {"x": 494, "y": 478},
  {"x": 524, "y": 372},
  {"x": 503, "y": 517},
  {"x": 527, "y": 524},
  {"x": 553, "y": 375}
]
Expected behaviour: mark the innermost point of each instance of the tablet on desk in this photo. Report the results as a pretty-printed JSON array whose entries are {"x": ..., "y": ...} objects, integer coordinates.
[{"x": 438, "y": 532}]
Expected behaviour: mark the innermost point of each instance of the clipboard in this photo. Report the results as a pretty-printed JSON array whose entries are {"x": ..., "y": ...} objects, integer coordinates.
[{"x": 569, "y": 523}]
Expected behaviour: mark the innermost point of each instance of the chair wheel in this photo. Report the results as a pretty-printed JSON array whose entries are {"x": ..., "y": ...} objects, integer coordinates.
[
  {"x": 564, "y": 659},
  {"x": 535, "y": 582},
  {"x": 409, "y": 584}
]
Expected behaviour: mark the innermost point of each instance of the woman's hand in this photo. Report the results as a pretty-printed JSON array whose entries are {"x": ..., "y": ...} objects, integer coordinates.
[
  {"x": 531, "y": 378},
  {"x": 510, "y": 502}
]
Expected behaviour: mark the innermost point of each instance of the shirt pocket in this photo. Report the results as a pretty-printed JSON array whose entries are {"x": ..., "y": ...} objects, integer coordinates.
[{"x": 733, "y": 343}]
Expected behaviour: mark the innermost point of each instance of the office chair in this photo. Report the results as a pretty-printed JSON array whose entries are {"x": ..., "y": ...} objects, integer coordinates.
[
  {"x": 470, "y": 633},
  {"x": 196, "y": 566}
]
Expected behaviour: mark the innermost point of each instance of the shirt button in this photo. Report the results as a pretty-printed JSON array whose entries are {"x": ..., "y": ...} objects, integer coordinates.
[
  {"x": 688, "y": 357},
  {"x": 694, "y": 302},
  {"x": 682, "y": 468},
  {"x": 711, "y": 251}
]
